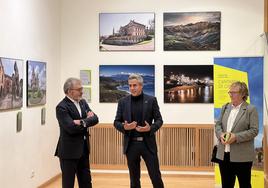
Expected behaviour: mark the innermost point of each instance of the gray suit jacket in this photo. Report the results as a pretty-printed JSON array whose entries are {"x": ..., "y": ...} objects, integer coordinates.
[{"x": 245, "y": 128}]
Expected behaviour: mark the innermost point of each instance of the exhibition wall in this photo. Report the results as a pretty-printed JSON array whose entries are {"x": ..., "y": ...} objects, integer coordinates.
[
  {"x": 30, "y": 30},
  {"x": 241, "y": 25},
  {"x": 65, "y": 35}
]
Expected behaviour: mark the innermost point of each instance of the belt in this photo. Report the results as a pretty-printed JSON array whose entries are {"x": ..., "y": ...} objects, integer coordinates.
[{"x": 139, "y": 139}]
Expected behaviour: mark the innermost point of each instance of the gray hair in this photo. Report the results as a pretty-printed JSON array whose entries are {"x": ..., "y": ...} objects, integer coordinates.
[
  {"x": 243, "y": 89},
  {"x": 136, "y": 77},
  {"x": 69, "y": 84}
]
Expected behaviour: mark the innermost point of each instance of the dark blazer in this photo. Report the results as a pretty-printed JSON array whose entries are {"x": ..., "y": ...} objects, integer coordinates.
[
  {"x": 71, "y": 140},
  {"x": 151, "y": 114},
  {"x": 246, "y": 127}
]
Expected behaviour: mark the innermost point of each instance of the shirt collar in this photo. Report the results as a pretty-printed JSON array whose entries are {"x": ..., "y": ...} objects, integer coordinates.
[
  {"x": 237, "y": 107},
  {"x": 75, "y": 102}
]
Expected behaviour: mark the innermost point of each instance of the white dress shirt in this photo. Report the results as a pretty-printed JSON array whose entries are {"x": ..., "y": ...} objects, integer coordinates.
[
  {"x": 78, "y": 108},
  {"x": 230, "y": 122},
  {"x": 76, "y": 105}
]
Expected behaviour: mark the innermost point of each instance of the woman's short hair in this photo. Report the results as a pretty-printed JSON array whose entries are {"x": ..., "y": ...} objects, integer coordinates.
[
  {"x": 69, "y": 84},
  {"x": 243, "y": 89},
  {"x": 136, "y": 77}
]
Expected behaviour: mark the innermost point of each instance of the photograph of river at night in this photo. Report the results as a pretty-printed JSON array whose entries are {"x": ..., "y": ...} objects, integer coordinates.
[{"x": 188, "y": 84}]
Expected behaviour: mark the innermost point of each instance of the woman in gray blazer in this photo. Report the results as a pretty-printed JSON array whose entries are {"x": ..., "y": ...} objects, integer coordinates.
[{"x": 236, "y": 129}]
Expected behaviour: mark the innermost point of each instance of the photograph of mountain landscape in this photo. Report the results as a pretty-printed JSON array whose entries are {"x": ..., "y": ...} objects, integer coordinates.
[
  {"x": 192, "y": 31},
  {"x": 188, "y": 84},
  {"x": 114, "y": 80},
  {"x": 126, "y": 31}
]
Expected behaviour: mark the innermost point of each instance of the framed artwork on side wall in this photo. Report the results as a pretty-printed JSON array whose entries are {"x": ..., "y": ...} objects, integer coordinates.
[
  {"x": 127, "y": 32},
  {"x": 11, "y": 83},
  {"x": 36, "y": 83},
  {"x": 114, "y": 81}
]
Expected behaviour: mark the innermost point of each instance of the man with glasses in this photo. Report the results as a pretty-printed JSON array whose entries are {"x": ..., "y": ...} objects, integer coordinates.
[{"x": 74, "y": 117}]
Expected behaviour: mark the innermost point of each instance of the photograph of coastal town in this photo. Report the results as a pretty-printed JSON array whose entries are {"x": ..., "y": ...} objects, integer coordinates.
[
  {"x": 114, "y": 81},
  {"x": 188, "y": 84},
  {"x": 195, "y": 31},
  {"x": 127, "y": 31}
]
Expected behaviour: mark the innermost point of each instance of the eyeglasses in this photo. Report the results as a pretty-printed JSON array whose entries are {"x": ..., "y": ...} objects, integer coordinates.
[
  {"x": 233, "y": 92},
  {"x": 77, "y": 89}
]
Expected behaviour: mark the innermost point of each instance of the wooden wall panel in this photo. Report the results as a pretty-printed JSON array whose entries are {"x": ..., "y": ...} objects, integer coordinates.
[{"x": 179, "y": 146}]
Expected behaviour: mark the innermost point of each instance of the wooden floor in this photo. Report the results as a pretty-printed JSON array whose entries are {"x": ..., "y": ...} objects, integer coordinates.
[{"x": 122, "y": 181}]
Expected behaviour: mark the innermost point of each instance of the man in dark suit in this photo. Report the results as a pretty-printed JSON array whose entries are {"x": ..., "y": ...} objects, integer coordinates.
[
  {"x": 138, "y": 118},
  {"x": 74, "y": 117}
]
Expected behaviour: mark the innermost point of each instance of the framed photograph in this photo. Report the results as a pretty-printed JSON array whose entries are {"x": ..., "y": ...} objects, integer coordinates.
[
  {"x": 114, "y": 80},
  {"x": 36, "y": 83},
  {"x": 85, "y": 76},
  {"x": 188, "y": 84},
  {"x": 127, "y": 32},
  {"x": 11, "y": 83},
  {"x": 87, "y": 94},
  {"x": 192, "y": 31}
]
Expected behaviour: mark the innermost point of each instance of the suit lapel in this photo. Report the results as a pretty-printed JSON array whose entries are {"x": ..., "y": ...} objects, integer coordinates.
[
  {"x": 129, "y": 108},
  {"x": 72, "y": 107},
  {"x": 144, "y": 107},
  {"x": 240, "y": 114},
  {"x": 83, "y": 109},
  {"x": 225, "y": 117}
]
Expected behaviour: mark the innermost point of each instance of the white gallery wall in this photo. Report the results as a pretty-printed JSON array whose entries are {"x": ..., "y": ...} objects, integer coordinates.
[
  {"x": 65, "y": 34},
  {"x": 30, "y": 30},
  {"x": 241, "y": 26}
]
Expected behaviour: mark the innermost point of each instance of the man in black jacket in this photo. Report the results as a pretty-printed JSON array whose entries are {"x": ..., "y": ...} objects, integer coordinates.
[
  {"x": 74, "y": 117},
  {"x": 138, "y": 118}
]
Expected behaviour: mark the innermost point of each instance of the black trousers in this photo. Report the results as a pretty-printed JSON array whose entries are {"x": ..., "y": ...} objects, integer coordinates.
[
  {"x": 80, "y": 168},
  {"x": 135, "y": 151},
  {"x": 230, "y": 170}
]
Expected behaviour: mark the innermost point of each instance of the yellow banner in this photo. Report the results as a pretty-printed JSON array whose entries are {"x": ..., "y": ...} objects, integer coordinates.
[{"x": 223, "y": 77}]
